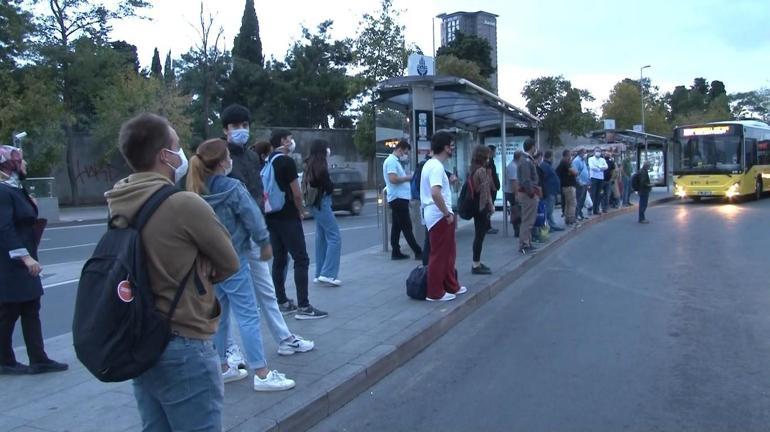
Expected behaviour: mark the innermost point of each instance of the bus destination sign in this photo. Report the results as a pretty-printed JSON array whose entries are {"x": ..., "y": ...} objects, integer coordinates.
[{"x": 706, "y": 130}]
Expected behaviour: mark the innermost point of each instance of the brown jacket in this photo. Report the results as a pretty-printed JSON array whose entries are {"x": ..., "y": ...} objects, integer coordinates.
[{"x": 183, "y": 232}]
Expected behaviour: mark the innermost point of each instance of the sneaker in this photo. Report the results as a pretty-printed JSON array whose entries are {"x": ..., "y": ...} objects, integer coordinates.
[
  {"x": 295, "y": 345},
  {"x": 14, "y": 369},
  {"x": 493, "y": 231},
  {"x": 447, "y": 297},
  {"x": 309, "y": 313},
  {"x": 235, "y": 357},
  {"x": 462, "y": 290},
  {"x": 418, "y": 256},
  {"x": 48, "y": 366},
  {"x": 556, "y": 229},
  {"x": 234, "y": 374},
  {"x": 274, "y": 381},
  {"x": 644, "y": 221},
  {"x": 395, "y": 256},
  {"x": 315, "y": 280},
  {"x": 329, "y": 281},
  {"x": 288, "y": 307},
  {"x": 481, "y": 270}
]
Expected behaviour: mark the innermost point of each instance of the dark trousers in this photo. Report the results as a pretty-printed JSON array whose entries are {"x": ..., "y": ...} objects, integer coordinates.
[
  {"x": 644, "y": 199},
  {"x": 480, "y": 226},
  {"x": 580, "y": 194},
  {"x": 30, "y": 325},
  {"x": 441, "y": 266},
  {"x": 426, "y": 248},
  {"x": 287, "y": 237},
  {"x": 402, "y": 223},
  {"x": 515, "y": 212},
  {"x": 596, "y": 194}
]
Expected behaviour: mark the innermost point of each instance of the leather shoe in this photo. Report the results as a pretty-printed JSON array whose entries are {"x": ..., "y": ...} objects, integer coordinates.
[
  {"x": 398, "y": 256},
  {"x": 45, "y": 367},
  {"x": 14, "y": 369}
]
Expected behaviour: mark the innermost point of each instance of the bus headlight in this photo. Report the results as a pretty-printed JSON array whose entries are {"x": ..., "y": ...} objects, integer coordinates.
[
  {"x": 679, "y": 191},
  {"x": 733, "y": 191}
]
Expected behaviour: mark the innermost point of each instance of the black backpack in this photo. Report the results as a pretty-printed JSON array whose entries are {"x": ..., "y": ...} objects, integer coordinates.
[
  {"x": 117, "y": 332},
  {"x": 468, "y": 201},
  {"x": 635, "y": 182}
]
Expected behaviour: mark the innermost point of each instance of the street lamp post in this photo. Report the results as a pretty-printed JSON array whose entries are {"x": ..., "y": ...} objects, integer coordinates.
[{"x": 641, "y": 91}]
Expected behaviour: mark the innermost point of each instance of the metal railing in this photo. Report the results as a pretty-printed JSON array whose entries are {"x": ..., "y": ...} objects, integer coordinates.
[{"x": 41, "y": 187}]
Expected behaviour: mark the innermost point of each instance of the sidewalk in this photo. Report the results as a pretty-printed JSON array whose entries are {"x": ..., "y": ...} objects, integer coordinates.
[{"x": 373, "y": 328}]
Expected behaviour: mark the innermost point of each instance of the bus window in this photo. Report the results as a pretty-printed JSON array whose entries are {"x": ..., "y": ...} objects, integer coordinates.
[
  {"x": 751, "y": 152},
  {"x": 763, "y": 152}
]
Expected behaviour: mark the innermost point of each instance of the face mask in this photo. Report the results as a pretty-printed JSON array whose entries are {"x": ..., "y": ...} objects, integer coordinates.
[
  {"x": 291, "y": 146},
  {"x": 181, "y": 170},
  {"x": 229, "y": 168},
  {"x": 239, "y": 136},
  {"x": 328, "y": 152},
  {"x": 404, "y": 158},
  {"x": 597, "y": 154}
]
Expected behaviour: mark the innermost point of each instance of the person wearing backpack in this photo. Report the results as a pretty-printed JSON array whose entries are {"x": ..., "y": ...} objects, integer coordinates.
[
  {"x": 645, "y": 187},
  {"x": 397, "y": 183},
  {"x": 284, "y": 212},
  {"x": 247, "y": 165},
  {"x": 183, "y": 390},
  {"x": 482, "y": 187},
  {"x": 21, "y": 289},
  {"x": 328, "y": 243},
  {"x": 240, "y": 215}
]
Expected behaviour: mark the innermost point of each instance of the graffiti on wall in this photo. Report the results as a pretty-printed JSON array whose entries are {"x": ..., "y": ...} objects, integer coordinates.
[{"x": 95, "y": 171}]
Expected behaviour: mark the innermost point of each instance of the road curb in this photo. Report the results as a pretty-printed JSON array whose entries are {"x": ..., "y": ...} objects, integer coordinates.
[{"x": 385, "y": 359}]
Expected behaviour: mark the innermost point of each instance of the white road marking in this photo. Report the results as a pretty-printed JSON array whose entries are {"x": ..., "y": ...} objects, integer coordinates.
[
  {"x": 66, "y": 247},
  {"x": 103, "y": 224}
]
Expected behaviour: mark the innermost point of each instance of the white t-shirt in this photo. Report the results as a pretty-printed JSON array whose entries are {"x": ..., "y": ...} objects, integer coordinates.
[{"x": 433, "y": 175}]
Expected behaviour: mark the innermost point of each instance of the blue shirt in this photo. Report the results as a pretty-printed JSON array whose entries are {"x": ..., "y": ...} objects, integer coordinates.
[
  {"x": 400, "y": 190},
  {"x": 581, "y": 167}
]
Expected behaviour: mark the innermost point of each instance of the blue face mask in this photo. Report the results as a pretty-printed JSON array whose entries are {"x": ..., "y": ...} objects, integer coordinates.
[{"x": 239, "y": 136}]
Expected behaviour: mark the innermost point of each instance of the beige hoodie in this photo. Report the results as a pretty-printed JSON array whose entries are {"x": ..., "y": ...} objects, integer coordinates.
[{"x": 182, "y": 232}]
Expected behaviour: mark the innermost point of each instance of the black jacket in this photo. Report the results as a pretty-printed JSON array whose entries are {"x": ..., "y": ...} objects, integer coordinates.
[
  {"x": 17, "y": 220},
  {"x": 645, "y": 185},
  {"x": 246, "y": 168},
  {"x": 495, "y": 177}
]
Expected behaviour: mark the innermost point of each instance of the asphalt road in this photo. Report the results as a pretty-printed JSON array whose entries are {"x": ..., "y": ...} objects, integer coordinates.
[
  {"x": 71, "y": 246},
  {"x": 660, "y": 327}
]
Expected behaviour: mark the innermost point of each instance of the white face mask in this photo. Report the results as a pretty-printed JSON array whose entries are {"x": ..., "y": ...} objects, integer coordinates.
[
  {"x": 181, "y": 170},
  {"x": 291, "y": 146},
  {"x": 328, "y": 152},
  {"x": 229, "y": 168},
  {"x": 404, "y": 158}
]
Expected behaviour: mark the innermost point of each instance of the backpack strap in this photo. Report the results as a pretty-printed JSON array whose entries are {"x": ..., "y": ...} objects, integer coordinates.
[{"x": 152, "y": 204}]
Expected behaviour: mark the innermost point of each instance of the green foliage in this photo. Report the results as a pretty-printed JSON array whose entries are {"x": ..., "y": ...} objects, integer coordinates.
[
  {"x": 14, "y": 28},
  {"x": 364, "y": 136},
  {"x": 248, "y": 45},
  {"x": 471, "y": 48},
  {"x": 754, "y": 105},
  {"x": 169, "y": 76},
  {"x": 380, "y": 49},
  {"x": 156, "y": 70},
  {"x": 702, "y": 102},
  {"x": 625, "y": 106},
  {"x": 131, "y": 94},
  {"x": 559, "y": 105},
  {"x": 449, "y": 65}
]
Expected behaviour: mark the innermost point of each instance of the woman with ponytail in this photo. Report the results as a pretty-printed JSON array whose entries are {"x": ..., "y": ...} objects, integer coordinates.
[
  {"x": 238, "y": 212},
  {"x": 328, "y": 243}
]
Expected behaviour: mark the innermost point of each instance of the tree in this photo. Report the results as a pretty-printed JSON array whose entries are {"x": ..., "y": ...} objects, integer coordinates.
[
  {"x": 448, "y": 64},
  {"x": 203, "y": 71},
  {"x": 14, "y": 29},
  {"x": 472, "y": 48},
  {"x": 312, "y": 88},
  {"x": 131, "y": 94},
  {"x": 248, "y": 82},
  {"x": 127, "y": 52},
  {"x": 625, "y": 106},
  {"x": 752, "y": 105},
  {"x": 559, "y": 105},
  {"x": 702, "y": 102},
  {"x": 169, "y": 76},
  {"x": 156, "y": 70},
  {"x": 65, "y": 22}
]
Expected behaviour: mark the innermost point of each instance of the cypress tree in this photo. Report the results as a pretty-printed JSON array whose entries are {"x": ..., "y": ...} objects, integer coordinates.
[
  {"x": 248, "y": 45},
  {"x": 156, "y": 71},
  {"x": 169, "y": 75}
]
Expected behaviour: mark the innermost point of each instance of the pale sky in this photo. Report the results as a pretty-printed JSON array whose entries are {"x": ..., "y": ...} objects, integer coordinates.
[{"x": 593, "y": 43}]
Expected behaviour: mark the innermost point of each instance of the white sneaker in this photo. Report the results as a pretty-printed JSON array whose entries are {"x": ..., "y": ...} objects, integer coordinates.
[
  {"x": 315, "y": 280},
  {"x": 234, "y": 374},
  {"x": 447, "y": 297},
  {"x": 462, "y": 290},
  {"x": 329, "y": 281},
  {"x": 274, "y": 381},
  {"x": 297, "y": 345},
  {"x": 235, "y": 357}
]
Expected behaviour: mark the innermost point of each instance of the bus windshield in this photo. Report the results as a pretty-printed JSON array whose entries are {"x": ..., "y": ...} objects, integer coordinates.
[{"x": 695, "y": 152}]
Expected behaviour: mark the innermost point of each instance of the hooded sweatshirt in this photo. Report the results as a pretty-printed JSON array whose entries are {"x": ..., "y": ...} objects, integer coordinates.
[
  {"x": 184, "y": 232},
  {"x": 238, "y": 212}
]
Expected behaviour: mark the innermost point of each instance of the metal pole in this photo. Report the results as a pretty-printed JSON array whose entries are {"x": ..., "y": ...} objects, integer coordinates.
[
  {"x": 641, "y": 92},
  {"x": 506, "y": 180}
]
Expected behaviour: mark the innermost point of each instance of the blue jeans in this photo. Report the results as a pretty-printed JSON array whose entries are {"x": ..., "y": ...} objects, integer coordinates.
[
  {"x": 550, "y": 202},
  {"x": 183, "y": 391},
  {"x": 644, "y": 198},
  {"x": 627, "y": 190},
  {"x": 328, "y": 243},
  {"x": 236, "y": 294}
]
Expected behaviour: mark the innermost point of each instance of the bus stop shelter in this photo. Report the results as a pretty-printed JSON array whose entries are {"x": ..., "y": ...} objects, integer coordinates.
[
  {"x": 643, "y": 147},
  {"x": 454, "y": 104}
]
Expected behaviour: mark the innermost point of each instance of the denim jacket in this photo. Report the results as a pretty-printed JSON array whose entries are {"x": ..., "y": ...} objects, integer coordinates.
[{"x": 238, "y": 212}]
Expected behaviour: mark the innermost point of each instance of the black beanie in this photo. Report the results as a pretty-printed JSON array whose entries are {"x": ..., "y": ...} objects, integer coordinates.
[{"x": 235, "y": 114}]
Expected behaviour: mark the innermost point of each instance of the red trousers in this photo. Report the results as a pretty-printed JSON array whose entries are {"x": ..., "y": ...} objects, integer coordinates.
[{"x": 441, "y": 264}]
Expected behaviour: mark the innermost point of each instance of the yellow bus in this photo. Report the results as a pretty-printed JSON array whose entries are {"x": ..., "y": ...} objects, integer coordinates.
[{"x": 721, "y": 159}]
